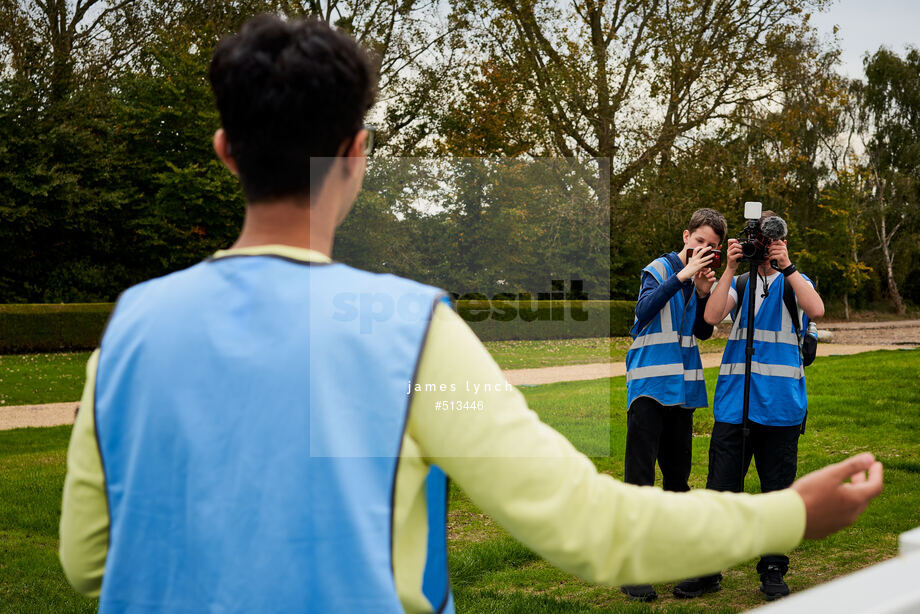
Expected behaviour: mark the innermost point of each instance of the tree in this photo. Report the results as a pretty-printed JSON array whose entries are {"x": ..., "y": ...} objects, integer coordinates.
[
  {"x": 67, "y": 40},
  {"x": 182, "y": 203},
  {"x": 106, "y": 118},
  {"x": 55, "y": 185},
  {"x": 773, "y": 152},
  {"x": 891, "y": 114},
  {"x": 838, "y": 233},
  {"x": 625, "y": 80},
  {"x": 413, "y": 42},
  {"x": 491, "y": 116}
]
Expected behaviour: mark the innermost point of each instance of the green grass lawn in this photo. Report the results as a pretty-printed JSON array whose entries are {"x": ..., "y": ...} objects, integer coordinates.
[
  {"x": 54, "y": 378},
  {"x": 555, "y": 352},
  {"x": 867, "y": 402},
  {"x": 42, "y": 378},
  {"x": 862, "y": 402},
  {"x": 32, "y": 466}
]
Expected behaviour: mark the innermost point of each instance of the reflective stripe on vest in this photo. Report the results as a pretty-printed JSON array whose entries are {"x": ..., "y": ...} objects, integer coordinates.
[
  {"x": 660, "y": 338},
  {"x": 778, "y": 395},
  {"x": 250, "y": 412},
  {"x": 690, "y": 375},
  {"x": 767, "y": 336},
  {"x": 737, "y": 368},
  {"x": 663, "y": 361},
  {"x": 661, "y": 267}
]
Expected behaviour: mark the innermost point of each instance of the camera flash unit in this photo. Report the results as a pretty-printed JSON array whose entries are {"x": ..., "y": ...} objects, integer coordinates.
[{"x": 752, "y": 210}]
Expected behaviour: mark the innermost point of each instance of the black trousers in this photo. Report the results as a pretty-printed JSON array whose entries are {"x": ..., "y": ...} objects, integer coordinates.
[
  {"x": 775, "y": 452},
  {"x": 655, "y": 432}
]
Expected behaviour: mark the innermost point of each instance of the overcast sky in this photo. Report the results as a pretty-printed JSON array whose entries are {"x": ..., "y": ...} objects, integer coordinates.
[{"x": 865, "y": 25}]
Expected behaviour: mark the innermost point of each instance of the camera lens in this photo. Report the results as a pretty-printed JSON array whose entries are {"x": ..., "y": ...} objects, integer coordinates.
[{"x": 748, "y": 249}]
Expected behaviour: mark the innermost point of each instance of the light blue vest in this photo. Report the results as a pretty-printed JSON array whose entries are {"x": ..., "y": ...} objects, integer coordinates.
[
  {"x": 777, "y": 374},
  {"x": 250, "y": 412},
  {"x": 663, "y": 361}
]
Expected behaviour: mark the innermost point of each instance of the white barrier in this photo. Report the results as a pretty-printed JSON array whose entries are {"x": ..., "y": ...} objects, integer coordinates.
[
  {"x": 909, "y": 543},
  {"x": 891, "y": 587}
]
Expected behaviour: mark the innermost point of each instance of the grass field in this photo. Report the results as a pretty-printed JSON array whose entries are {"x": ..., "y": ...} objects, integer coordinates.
[
  {"x": 554, "y": 352},
  {"x": 856, "y": 403},
  {"x": 54, "y": 378},
  {"x": 42, "y": 378},
  {"x": 863, "y": 402},
  {"x": 32, "y": 466}
]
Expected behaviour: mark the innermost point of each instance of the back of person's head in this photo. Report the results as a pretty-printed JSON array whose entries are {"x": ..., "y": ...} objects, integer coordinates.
[
  {"x": 289, "y": 91},
  {"x": 711, "y": 218}
]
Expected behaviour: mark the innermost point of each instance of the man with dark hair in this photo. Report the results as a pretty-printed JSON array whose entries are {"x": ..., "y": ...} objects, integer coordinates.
[
  {"x": 664, "y": 376},
  {"x": 246, "y": 442},
  {"x": 778, "y": 400},
  {"x": 310, "y": 88}
]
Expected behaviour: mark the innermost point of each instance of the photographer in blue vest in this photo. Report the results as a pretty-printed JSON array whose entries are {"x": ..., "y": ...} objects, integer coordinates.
[
  {"x": 777, "y": 396},
  {"x": 270, "y": 430},
  {"x": 664, "y": 372}
]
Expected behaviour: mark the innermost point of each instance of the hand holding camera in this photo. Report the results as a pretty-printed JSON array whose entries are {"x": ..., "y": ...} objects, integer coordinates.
[
  {"x": 697, "y": 259},
  {"x": 779, "y": 254},
  {"x": 733, "y": 256}
]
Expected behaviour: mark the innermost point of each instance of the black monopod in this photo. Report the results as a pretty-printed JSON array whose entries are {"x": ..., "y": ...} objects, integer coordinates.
[
  {"x": 748, "y": 356},
  {"x": 757, "y": 239}
]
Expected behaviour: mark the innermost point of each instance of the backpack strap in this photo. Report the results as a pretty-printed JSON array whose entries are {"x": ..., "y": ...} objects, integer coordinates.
[
  {"x": 740, "y": 285},
  {"x": 789, "y": 300}
]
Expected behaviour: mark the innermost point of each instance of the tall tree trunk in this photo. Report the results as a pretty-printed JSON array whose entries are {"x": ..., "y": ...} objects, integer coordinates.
[
  {"x": 846, "y": 306},
  {"x": 889, "y": 269}
]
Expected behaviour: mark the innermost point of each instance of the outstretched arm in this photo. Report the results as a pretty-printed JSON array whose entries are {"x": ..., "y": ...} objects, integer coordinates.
[{"x": 548, "y": 495}]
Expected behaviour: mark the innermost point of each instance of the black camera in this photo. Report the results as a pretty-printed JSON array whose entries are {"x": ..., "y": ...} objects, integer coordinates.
[
  {"x": 754, "y": 243},
  {"x": 759, "y": 233},
  {"x": 716, "y": 261}
]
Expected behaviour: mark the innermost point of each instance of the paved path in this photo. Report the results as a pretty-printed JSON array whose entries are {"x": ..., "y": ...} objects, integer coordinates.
[
  {"x": 870, "y": 325},
  {"x": 571, "y": 373},
  {"x": 47, "y": 414},
  {"x": 54, "y": 414}
]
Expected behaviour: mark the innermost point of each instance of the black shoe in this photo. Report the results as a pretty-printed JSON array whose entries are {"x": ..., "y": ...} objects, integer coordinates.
[
  {"x": 640, "y": 592},
  {"x": 694, "y": 587},
  {"x": 772, "y": 584}
]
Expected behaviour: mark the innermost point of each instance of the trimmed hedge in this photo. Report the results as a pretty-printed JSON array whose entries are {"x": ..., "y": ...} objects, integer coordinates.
[
  {"x": 52, "y": 328},
  {"x": 79, "y": 326},
  {"x": 501, "y": 320}
]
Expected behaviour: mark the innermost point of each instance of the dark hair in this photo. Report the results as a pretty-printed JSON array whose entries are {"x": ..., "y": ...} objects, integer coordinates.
[
  {"x": 288, "y": 92},
  {"x": 711, "y": 218}
]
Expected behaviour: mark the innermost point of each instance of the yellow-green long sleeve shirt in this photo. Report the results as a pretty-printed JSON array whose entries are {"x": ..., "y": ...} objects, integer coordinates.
[{"x": 524, "y": 474}]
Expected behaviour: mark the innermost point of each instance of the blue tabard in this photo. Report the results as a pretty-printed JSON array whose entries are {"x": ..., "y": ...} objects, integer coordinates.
[
  {"x": 250, "y": 412},
  {"x": 663, "y": 361},
  {"x": 777, "y": 374}
]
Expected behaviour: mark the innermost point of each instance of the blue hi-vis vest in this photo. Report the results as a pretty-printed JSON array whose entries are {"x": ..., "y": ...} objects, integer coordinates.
[
  {"x": 250, "y": 412},
  {"x": 777, "y": 395},
  {"x": 663, "y": 361}
]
